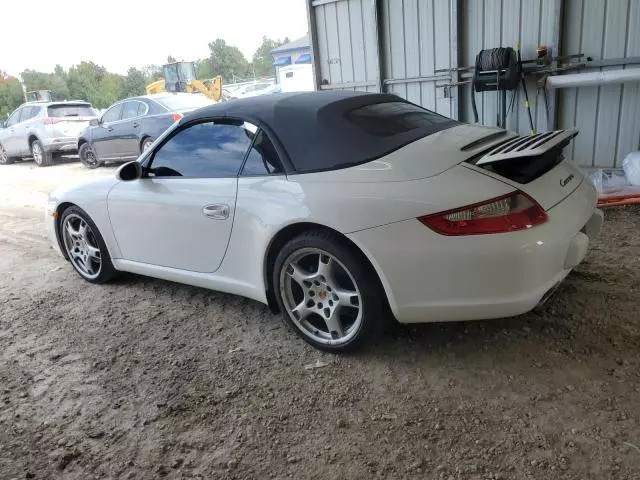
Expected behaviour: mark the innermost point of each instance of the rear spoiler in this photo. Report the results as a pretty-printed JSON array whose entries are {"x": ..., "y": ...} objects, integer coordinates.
[{"x": 528, "y": 146}]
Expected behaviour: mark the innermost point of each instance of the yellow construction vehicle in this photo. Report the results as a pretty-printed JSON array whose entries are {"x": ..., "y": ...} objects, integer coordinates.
[
  {"x": 38, "y": 96},
  {"x": 181, "y": 77}
]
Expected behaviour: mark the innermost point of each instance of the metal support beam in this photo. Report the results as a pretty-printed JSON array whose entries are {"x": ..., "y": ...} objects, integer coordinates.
[
  {"x": 338, "y": 86},
  {"x": 313, "y": 34},
  {"x": 454, "y": 55},
  {"x": 552, "y": 98}
]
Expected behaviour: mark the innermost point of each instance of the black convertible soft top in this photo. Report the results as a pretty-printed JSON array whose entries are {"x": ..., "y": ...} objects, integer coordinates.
[{"x": 317, "y": 131}]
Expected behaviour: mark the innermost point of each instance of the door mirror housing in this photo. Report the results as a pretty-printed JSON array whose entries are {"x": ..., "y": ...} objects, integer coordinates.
[
  {"x": 94, "y": 122},
  {"x": 129, "y": 171}
]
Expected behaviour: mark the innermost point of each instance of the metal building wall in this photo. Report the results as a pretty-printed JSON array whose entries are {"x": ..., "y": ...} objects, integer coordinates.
[
  {"x": 344, "y": 36},
  {"x": 608, "y": 116},
  {"x": 387, "y": 45},
  {"x": 399, "y": 46},
  {"x": 503, "y": 23},
  {"x": 419, "y": 37}
]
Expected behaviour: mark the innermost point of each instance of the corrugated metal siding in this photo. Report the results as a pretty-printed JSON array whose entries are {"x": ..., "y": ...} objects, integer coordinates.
[
  {"x": 347, "y": 41},
  {"x": 356, "y": 50},
  {"x": 608, "y": 117},
  {"x": 416, "y": 36},
  {"x": 503, "y": 23}
]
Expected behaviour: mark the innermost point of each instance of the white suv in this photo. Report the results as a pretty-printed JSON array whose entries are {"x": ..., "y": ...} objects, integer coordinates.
[{"x": 42, "y": 129}]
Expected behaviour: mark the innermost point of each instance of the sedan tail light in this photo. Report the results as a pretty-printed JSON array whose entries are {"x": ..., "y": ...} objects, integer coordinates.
[
  {"x": 508, "y": 213},
  {"x": 175, "y": 116}
]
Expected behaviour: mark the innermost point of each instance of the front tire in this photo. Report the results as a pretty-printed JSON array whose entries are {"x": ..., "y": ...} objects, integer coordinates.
[
  {"x": 146, "y": 144},
  {"x": 88, "y": 156},
  {"x": 84, "y": 246},
  {"x": 327, "y": 292},
  {"x": 42, "y": 158},
  {"x": 5, "y": 159}
]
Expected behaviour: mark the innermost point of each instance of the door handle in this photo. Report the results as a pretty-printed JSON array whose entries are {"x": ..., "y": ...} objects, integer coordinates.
[
  {"x": 136, "y": 124},
  {"x": 219, "y": 211},
  {"x": 109, "y": 129}
]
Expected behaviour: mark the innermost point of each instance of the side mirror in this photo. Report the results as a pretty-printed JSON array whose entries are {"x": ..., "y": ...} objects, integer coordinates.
[
  {"x": 94, "y": 122},
  {"x": 3, "y": 124},
  {"x": 129, "y": 171}
]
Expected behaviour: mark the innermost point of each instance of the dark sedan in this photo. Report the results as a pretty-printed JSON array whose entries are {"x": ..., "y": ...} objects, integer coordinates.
[{"x": 130, "y": 126}]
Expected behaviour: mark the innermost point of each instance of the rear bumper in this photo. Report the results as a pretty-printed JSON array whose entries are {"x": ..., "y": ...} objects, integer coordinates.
[
  {"x": 61, "y": 144},
  {"x": 429, "y": 277}
]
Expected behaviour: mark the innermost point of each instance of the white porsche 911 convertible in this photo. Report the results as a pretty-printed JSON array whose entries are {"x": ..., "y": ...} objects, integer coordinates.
[{"x": 341, "y": 210}]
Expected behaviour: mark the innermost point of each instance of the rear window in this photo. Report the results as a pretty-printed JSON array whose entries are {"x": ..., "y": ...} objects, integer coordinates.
[
  {"x": 393, "y": 118},
  {"x": 184, "y": 102},
  {"x": 71, "y": 111}
]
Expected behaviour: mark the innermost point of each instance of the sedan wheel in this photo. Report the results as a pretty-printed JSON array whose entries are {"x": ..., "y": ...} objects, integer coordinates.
[
  {"x": 146, "y": 145},
  {"x": 88, "y": 156},
  {"x": 327, "y": 292},
  {"x": 85, "y": 247}
]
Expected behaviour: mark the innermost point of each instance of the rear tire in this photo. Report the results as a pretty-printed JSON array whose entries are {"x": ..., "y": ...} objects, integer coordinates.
[
  {"x": 42, "y": 158},
  {"x": 88, "y": 156},
  {"x": 4, "y": 158},
  {"x": 84, "y": 246},
  {"x": 328, "y": 294}
]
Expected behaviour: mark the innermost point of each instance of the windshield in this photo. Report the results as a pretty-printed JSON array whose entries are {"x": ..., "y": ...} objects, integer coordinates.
[
  {"x": 184, "y": 102},
  {"x": 81, "y": 110},
  {"x": 392, "y": 118}
]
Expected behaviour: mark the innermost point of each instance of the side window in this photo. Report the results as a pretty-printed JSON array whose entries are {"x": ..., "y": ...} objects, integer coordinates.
[
  {"x": 14, "y": 118},
  {"x": 29, "y": 112},
  {"x": 142, "y": 109},
  {"x": 35, "y": 111},
  {"x": 203, "y": 150},
  {"x": 113, "y": 114},
  {"x": 262, "y": 159},
  {"x": 130, "y": 110}
]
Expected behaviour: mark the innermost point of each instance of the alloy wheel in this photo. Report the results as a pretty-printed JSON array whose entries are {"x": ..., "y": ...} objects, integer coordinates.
[
  {"x": 82, "y": 246},
  {"x": 3, "y": 156},
  {"x": 90, "y": 158},
  {"x": 36, "y": 151},
  {"x": 321, "y": 296}
]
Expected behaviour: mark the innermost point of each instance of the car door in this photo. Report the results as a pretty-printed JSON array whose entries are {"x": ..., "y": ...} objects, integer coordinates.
[
  {"x": 24, "y": 128},
  {"x": 128, "y": 129},
  {"x": 10, "y": 135},
  {"x": 105, "y": 144},
  {"x": 180, "y": 213}
]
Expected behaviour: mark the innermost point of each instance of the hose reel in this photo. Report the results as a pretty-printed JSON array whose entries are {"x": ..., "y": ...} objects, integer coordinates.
[{"x": 498, "y": 70}]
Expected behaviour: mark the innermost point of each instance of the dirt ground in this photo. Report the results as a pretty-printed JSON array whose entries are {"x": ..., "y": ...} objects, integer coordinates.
[{"x": 143, "y": 379}]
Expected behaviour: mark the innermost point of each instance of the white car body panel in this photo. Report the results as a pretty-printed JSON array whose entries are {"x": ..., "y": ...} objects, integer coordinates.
[
  {"x": 145, "y": 211},
  {"x": 426, "y": 276},
  {"x": 443, "y": 278}
]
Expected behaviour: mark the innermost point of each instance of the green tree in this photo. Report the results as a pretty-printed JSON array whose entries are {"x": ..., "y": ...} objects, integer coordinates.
[
  {"x": 227, "y": 60},
  {"x": 262, "y": 62},
  {"x": 46, "y": 81},
  {"x": 133, "y": 84},
  {"x": 11, "y": 95},
  {"x": 152, "y": 73},
  {"x": 204, "y": 69},
  {"x": 91, "y": 82}
]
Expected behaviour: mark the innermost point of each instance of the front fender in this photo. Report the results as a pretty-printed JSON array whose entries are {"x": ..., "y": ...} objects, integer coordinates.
[{"x": 92, "y": 198}]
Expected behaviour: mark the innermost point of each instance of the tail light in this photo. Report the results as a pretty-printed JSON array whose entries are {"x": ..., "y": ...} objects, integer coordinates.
[
  {"x": 52, "y": 120},
  {"x": 175, "y": 116},
  {"x": 508, "y": 213}
]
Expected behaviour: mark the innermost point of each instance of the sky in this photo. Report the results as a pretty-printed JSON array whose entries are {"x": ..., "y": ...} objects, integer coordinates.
[{"x": 119, "y": 34}]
